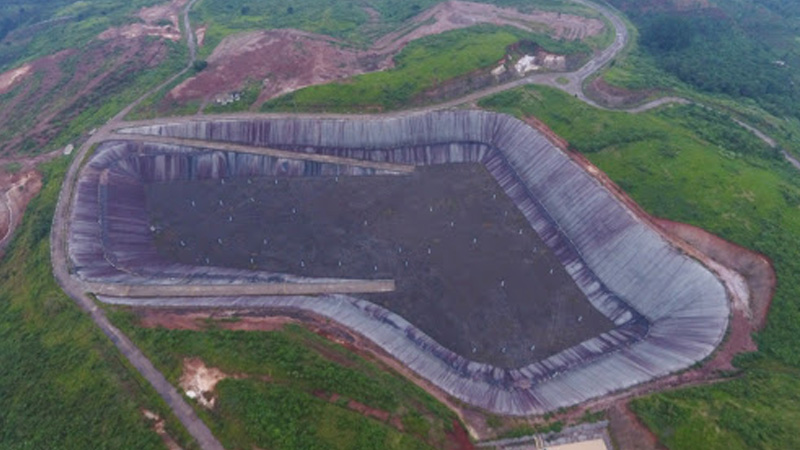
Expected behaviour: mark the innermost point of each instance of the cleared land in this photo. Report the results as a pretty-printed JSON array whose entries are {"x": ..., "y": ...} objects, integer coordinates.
[{"x": 489, "y": 288}]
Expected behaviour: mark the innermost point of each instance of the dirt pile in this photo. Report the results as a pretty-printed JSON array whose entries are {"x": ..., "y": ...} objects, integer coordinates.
[
  {"x": 198, "y": 381},
  {"x": 159, "y": 20},
  {"x": 10, "y": 78},
  {"x": 279, "y": 61}
]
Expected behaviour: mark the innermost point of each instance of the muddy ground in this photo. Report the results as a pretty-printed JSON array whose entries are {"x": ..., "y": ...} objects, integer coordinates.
[{"x": 470, "y": 271}]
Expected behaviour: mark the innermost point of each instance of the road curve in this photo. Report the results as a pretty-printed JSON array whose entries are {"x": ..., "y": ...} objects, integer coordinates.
[{"x": 78, "y": 292}]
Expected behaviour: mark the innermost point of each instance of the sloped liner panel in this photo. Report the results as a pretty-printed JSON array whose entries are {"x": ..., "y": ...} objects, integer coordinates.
[{"x": 670, "y": 310}]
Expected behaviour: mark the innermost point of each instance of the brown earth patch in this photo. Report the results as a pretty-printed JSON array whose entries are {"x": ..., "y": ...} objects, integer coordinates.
[
  {"x": 615, "y": 96},
  {"x": 458, "y": 439},
  {"x": 137, "y": 30},
  {"x": 48, "y": 93},
  {"x": 12, "y": 77},
  {"x": 360, "y": 408},
  {"x": 454, "y": 15},
  {"x": 169, "y": 11},
  {"x": 198, "y": 381},
  {"x": 155, "y": 23},
  {"x": 160, "y": 427},
  {"x": 200, "y": 35},
  {"x": 628, "y": 432},
  {"x": 286, "y": 60},
  {"x": 280, "y": 61},
  {"x": 48, "y": 98},
  {"x": 198, "y": 321},
  {"x": 17, "y": 191}
]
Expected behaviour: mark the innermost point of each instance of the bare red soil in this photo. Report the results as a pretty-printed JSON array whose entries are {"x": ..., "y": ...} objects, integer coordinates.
[
  {"x": 155, "y": 19},
  {"x": 197, "y": 321},
  {"x": 16, "y": 192},
  {"x": 614, "y": 96},
  {"x": 48, "y": 98},
  {"x": 628, "y": 432},
  {"x": 282, "y": 61},
  {"x": 47, "y": 93}
]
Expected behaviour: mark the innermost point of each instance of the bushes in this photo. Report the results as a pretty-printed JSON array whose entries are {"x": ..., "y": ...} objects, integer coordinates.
[
  {"x": 284, "y": 412},
  {"x": 63, "y": 384},
  {"x": 715, "y": 54}
]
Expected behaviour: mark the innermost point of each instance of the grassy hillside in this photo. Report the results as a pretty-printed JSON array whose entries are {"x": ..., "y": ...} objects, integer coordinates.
[
  {"x": 695, "y": 166},
  {"x": 32, "y": 29},
  {"x": 745, "y": 51},
  {"x": 281, "y": 396},
  {"x": 63, "y": 385},
  {"x": 424, "y": 64},
  {"x": 347, "y": 20},
  {"x": 75, "y": 81}
]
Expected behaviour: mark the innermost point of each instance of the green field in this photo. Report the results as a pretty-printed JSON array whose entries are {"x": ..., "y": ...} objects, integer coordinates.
[
  {"x": 275, "y": 401},
  {"x": 63, "y": 384},
  {"x": 692, "y": 165}
]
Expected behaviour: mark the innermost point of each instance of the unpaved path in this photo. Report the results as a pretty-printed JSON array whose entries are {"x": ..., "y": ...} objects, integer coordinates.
[{"x": 75, "y": 289}]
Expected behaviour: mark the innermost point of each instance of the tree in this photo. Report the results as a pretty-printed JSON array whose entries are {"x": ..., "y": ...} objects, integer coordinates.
[{"x": 200, "y": 65}]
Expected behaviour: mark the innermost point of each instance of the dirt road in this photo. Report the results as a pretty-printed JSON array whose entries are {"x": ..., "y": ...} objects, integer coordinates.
[{"x": 76, "y": 289}]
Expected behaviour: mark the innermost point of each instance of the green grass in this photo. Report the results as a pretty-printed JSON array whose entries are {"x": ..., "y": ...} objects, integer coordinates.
[
  {"x": 695, "y": 166},
  {"x": 756, "y": 24},
  {"x": 758, "y": 411},
  {"x": 283, "y": 412},
  {"x": 422, "y": 65},
  {"x": 63, "y": 385},
  {"x": 83, "y": 21},
  {"x": 120, "y": 88},
  {"x": 12, "y": 167}
]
